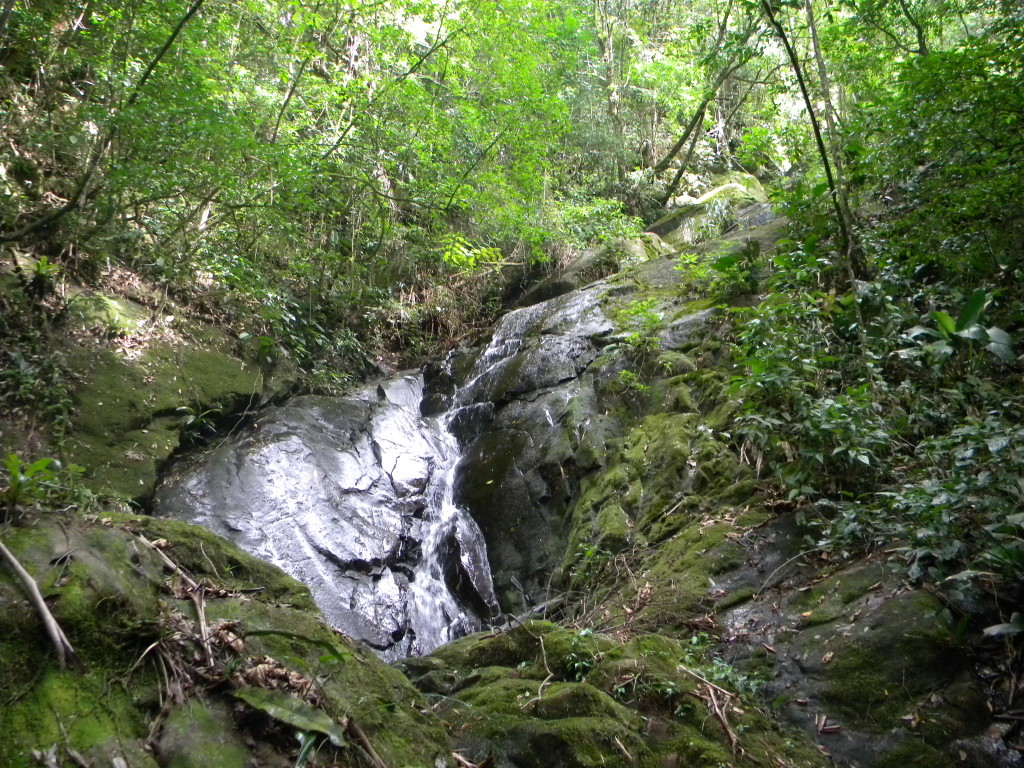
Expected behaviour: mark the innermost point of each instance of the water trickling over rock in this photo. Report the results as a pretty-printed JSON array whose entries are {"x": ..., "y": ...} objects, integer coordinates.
[{"x": 352, "y": 496}]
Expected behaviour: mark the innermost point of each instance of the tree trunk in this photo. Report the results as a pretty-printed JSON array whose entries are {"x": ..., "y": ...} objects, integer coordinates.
[
  {"x": 686, "y": 160},
  {"x": 922, "y": 40},
  {"x": 847, "y": 245},
  {"x": 698, "y": 117},
  {"x": 5, "y": 15},
  {"x": 730, "y": 66}
]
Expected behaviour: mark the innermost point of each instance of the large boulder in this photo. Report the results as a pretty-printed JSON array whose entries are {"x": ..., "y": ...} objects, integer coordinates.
[{"x": 348, "y": 496}]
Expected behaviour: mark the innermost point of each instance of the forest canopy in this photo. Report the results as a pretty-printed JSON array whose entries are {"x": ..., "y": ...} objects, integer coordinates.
[{"x": 327, "y": 172}]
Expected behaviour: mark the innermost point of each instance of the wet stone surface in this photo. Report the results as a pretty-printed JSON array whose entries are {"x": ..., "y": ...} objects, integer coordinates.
[{"x": 352, "y": 497}]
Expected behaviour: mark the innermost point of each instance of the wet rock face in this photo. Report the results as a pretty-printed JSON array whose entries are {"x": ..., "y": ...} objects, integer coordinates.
[
  {"x": 520, "y": 406},
  {"x": 350, "y": 496}
]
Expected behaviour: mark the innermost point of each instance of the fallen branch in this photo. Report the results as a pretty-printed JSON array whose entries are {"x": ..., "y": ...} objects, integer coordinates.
[
  {"x": 65, "y": 652},
  {"x": 204, "y": 630},
  {"x": 687, "y": 671},
  {"x": 359, "y": 736},
  {"x": 623, "y": 750},
  {"x": 173, "y": 566},
  {"x": 718, "y": 710}
]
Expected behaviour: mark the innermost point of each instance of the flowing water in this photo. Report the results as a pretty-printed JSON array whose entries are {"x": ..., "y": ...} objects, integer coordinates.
[
  {"x": 356, "y": 496},
  {"x": 352, "y": 496}
]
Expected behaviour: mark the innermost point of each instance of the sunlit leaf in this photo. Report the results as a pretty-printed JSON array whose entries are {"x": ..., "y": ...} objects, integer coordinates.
[
  {"x": 292, "y": 711},
  {"x": 972, "y": 310}
]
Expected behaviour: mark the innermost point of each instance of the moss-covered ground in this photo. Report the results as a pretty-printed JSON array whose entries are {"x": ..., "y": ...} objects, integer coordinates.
[{"x": 159, "y": 652}]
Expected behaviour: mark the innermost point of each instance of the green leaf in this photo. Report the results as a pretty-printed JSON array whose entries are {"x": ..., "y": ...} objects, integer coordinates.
[
  {"x": 973, "y": 332},
  {"x": 291, "y": 711},
  {"x": 724, "y": 263},
  {"x": 971, "y": 312},
  {"x": 999, "y": 336},
  {"x": 1001, "y": 351},
  {"x": 946, "y": 324},
  {"x": 920, "y": 330}
]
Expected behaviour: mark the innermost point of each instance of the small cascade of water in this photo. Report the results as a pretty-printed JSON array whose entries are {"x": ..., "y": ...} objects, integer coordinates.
[
  {"x": 435, "y": 606},
  {"x": 354, "y": 497}
]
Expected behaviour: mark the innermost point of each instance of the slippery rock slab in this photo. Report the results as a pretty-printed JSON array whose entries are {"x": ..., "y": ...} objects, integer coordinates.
[
  {"x": 870, "y": 665},
  {"x": 537, "y": 347},
  {"x": 348, "y": 496}
]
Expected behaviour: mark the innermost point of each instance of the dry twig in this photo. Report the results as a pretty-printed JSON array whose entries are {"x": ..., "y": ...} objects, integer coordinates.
[
  {"x": 174, "y": 567},
  {"x": 359, "y": 736}
]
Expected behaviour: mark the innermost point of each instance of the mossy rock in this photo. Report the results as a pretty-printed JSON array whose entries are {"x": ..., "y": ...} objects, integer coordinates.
[
  {"x": 577, "y": 742},
  {"x": 130, "y": 414},
  {"x": 198, "y": 735},
  {"x": 122, "y": 610},
  {"x": 914, "y": 753},
  {"x": 907, "y": 651},
  {"x": 563, "y": 697},
  {"x": 99, "y": 313},
  {"x": 751, "y": 187}
]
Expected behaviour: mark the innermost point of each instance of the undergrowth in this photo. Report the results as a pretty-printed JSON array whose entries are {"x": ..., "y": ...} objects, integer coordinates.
[{"x": 887, "y": 412}]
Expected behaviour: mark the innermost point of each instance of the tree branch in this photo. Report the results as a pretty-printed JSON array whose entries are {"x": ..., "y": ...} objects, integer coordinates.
[
  {"x": 60, "y": 642},
  {"x": 5, "y": 16}
]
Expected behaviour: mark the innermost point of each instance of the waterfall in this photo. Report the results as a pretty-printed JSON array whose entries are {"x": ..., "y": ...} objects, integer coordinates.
[{"x": 354, "y": 497}]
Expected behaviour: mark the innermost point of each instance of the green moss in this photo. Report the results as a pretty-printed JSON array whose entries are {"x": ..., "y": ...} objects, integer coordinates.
[
  {"x": 694, "y": 748},
  {"x": 106, "y": 314},
  {"x": 830, "y": 599},
  {"x": 130, "y": 413},
  {"x": 734, "y": 598},
  {"x": 202, "y": 551},
  {"x": 111, "y": 598},
  {"x": 612, "y": 528},
  {"x": 692, "y": 307},
  {"x": 579, "y": 742},
  {"x": 200, "y": 735},
  {"x": 913, "y": 753},
  {"x": 88, "y": 711},
  {"x": 875, "y": 678}
]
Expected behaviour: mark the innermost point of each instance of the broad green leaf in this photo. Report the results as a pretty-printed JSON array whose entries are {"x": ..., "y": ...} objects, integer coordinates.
[
  {"x": 756, "y": 366},
  {"x": 971, "y": 312},
  {"x": 999, "y": 336},
  {"x": 973, "y": 332},
  {"x": 1001, "y": 351},
  {"x": 920, "y": 330},
  {"x": 725, "y": 262},
  {"x": 292, "y": 711},
  {"x": 946, "y": 324}
]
